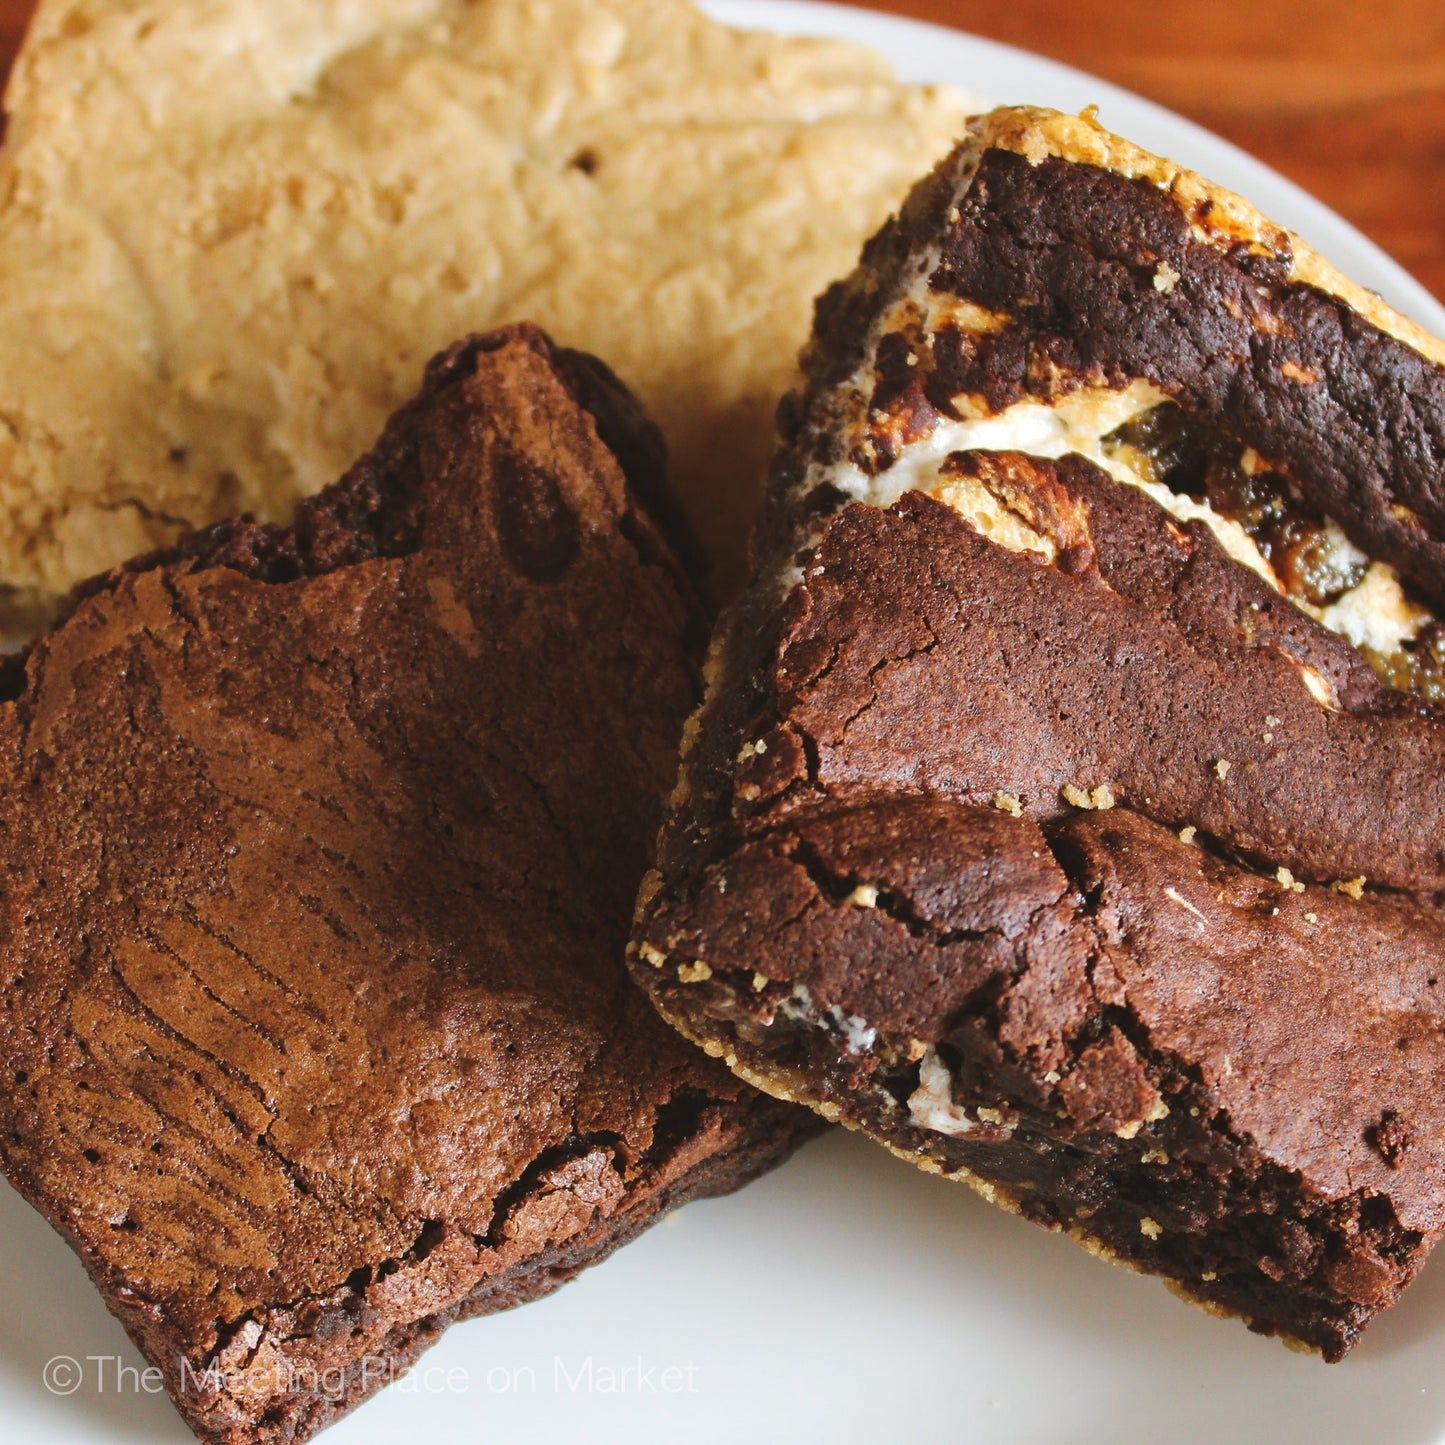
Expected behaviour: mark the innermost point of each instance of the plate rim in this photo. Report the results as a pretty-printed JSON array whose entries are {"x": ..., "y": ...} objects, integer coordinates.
[{"x": 1340, "y": 241}]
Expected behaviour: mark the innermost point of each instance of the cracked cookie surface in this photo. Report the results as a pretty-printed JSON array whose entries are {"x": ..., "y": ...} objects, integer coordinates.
[{"x": 232, "y": 232}]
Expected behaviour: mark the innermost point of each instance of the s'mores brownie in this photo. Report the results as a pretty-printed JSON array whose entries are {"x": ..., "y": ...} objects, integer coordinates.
[{"x": 1066, "y": 807}]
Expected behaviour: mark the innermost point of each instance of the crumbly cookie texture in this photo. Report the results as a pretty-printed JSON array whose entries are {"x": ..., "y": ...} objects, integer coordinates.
[
  {"x": 1065, "y": 809},
  {"x": 234, "y": 230},
  {"x": 320, "y": 852}
]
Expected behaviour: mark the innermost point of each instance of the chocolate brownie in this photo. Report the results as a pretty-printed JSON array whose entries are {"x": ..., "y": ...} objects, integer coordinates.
[
  {"x": 320, "y": 845},
  {"x": 1066, "y": 807}
]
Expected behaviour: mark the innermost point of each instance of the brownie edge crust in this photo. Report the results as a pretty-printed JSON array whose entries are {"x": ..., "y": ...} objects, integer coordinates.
[
  {"x": 320, "y": 845},
  {"x": 1040, "y": 821}
]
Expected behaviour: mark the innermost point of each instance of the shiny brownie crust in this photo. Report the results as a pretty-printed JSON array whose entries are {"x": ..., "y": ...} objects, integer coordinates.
[
  {"x": 1054, "y": 871},
  {"x": 320, "y": 846}
]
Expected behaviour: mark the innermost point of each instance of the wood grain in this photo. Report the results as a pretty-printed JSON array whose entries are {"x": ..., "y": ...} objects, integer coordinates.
[{"x": 1348, "y": 100}]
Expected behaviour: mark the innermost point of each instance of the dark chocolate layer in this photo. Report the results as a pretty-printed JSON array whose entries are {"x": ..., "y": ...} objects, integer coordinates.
[{"x": 1070, "y": 255}]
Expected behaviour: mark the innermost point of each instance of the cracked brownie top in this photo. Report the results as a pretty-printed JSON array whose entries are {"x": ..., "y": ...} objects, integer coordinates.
[
  {"x": 319, "y": 851},
  {"x": 1066, "y": 807}
]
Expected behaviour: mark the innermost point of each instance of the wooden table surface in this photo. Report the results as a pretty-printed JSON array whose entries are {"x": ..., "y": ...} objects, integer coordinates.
[{"x": 1347, "y": 99}]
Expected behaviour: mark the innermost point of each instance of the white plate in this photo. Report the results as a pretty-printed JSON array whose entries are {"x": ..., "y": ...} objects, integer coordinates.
[{"x": 846, "y": 1297}]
